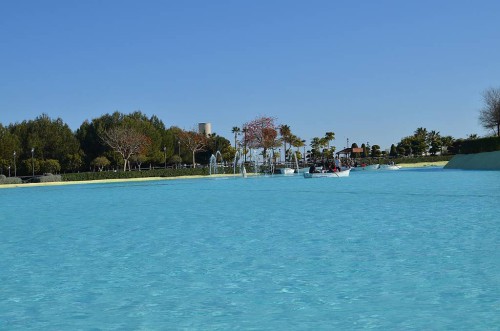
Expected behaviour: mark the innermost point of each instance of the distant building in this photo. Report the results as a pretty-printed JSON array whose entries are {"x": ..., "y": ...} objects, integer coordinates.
[{"x": 205, "y": 128}]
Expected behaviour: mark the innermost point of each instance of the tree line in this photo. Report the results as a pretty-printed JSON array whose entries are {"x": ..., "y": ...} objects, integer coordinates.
[
  {"x": 135, "y": 141},
  {"x": 112, "y": 141}
]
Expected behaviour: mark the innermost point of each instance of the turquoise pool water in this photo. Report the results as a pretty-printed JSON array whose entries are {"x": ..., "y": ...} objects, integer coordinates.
[{"x": 413, "y": 249}]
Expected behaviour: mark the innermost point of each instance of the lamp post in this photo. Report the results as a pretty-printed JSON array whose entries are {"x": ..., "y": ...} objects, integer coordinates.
[
  {"x": 245, "y": 129},
  {"x": 179, "y": 144},
  {"x": 9, "y": 171},
  {"x": 15, "y": 169},
  {"x": 165, "y": 154},
  {"x": 33, "y": 161},
  {"x": 304, "y": 143}
]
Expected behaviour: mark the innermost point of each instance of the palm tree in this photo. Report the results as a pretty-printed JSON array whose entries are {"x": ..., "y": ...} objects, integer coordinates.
[
  {"x": 434, "y": 141},
  {"x": 236, "y": 130},
  {"x": 446, "y": 142},
  {"x": 420, "y": 145},
  {"x": 295, "y": 142},
  {"x": 421, "y": 132},
  {"x": 329, "y": 136},
  {"x": 285, "y": 133}
]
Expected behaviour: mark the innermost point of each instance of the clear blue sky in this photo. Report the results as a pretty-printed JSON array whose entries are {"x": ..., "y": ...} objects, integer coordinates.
[{"x": 367, "y": 70}]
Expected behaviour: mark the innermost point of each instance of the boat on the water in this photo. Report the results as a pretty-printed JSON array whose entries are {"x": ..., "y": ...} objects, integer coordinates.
[
  {"x": 287, "y": 171},
  {"x": 337, "y": 174},
  {"x": 389, "y": 167},
  {"x": 369, "y": 167}
]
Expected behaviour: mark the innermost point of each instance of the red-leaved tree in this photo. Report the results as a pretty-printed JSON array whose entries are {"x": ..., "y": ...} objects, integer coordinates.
[{"x": 261, "y": 133}]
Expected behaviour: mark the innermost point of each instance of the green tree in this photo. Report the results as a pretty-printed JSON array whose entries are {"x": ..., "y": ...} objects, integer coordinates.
[
  {"x": 393, "y": 152},
  {"x": 8, "y": 144},
  {"x": 100, "y": 162},
  {"x": 90, "y": 132},
  {"x": 50, "y": 166},
  {"x": 31, "y": 166},
  {"x": 138, "y": 160},
  {"x": 175, "y": 160},
  {"x": 375, "y": 152},
  {"x": 51, "y": 139},
  {"x": 214, "y": 144},
  {"x": 419, "y": 142},
  {"x": 365, "y": 150},
  {"x": 406, "y": 145},
  {"x": 173, "y": 135},
  {"x": 317, "y": 145}
]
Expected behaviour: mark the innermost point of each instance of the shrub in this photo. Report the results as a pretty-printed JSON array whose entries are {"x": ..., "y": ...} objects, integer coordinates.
[
  {"x": 48, "y": 178},
  {"x": 10, "y": 180}
]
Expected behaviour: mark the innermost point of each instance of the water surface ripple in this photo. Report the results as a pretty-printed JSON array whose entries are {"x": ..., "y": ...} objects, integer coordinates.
[{"x": 409, "y": 249}]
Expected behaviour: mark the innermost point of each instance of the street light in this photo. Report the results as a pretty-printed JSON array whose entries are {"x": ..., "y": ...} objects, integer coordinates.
[
  {"x": 9, "y": 171},
  {"x": 15, "y": 169},
  {"x": 304, "y": 143},
  {"x": 245, "y": 129},
  {"x": 33, "y": 161},
  {"x": 165, "y": 153}
]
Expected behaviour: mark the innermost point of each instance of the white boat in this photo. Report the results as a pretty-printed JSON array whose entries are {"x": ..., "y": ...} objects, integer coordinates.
[
  {"x": 287, "y": 171},
  {"x": 389, "y": 167},
  {"x": 302, "y": 170},
  {"x": 369, "y": 167},
  {"x": 338, "y": 174}
]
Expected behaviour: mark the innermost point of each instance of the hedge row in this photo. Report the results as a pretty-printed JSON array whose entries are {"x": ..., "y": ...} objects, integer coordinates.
[
  {"x": 489, "y": 144},
  {"x": 134, "y": 174}
]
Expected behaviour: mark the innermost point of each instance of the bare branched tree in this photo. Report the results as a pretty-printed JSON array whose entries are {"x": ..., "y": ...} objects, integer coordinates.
[
  {"x": 194, "y": 142},
  {"x": 125, "y": 141},
  {"x": 489, "y": 116}
]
